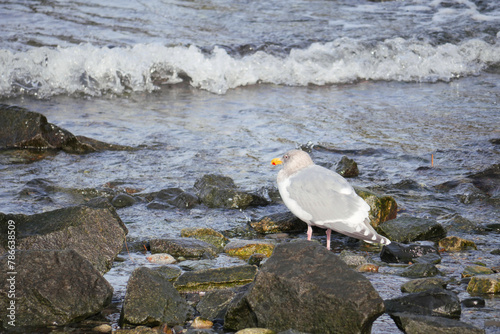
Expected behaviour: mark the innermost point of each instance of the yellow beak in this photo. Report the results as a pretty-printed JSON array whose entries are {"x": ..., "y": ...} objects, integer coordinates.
[{"x": 276, "y": 161}]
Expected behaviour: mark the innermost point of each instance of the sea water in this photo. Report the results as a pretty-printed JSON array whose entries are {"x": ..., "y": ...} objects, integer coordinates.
[{"x": 409, "y": 89}]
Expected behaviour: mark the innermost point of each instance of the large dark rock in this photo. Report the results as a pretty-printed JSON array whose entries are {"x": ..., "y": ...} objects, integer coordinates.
[
  {"x": 399, "y": 253},
  {"x": 50, "y": 287},
  {"x": 347, "y": 167},
  {"x": 407, "y": 229},
  {"x": 217, "y": 191},
  {"x": 305, "y": 287},
  {"x": 436, "y": 302},
  {"x": 421, "y": 324},
  {"x": 488, "y": 180},
  {"x": 95, "y": 233},
  {"x": 23, "y": 129},
  {"x": 152, "y": 300},
  {"x": 213, "y": 305}
]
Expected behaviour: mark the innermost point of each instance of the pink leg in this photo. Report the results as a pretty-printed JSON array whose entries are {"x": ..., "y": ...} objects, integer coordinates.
[
  {"x": 309, "y": 232},
  {"x": 328, "y": 233}
]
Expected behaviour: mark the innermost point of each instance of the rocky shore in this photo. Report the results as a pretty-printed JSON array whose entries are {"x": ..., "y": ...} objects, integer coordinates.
[{"x": 280, "y": 284}]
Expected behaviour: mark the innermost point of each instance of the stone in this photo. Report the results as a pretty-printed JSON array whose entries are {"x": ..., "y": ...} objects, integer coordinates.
[
  {"x": 122, "y": 201},
  {"x": 104, "y": 328},
  {"x": 201, "y": 323},
  {"x": 299, "y": 287},
  {"x": 367, "y": 268},
  {"x": 421, "y": 324},
  {"x": 423, "y": 284},
  {"x": 23, "y": 129},
  {"x": 256, "y": 259},
  {"x": 352, "y": 259},
  {"x": 399, "y": 253},
  {"x": 245, "y": 248},
  {"x": 152, "y": 300},
  {"x": 255, "y": 331},
  {"x": 488, "y": 180},
  {"x": 209, "y": 279},
  {"x": 51, "y": 287},
  {"x": 217, "y": 191},
  {"x": 173, "y": 198},
  {"x": 456, "y": 244},
  {"x": 419, "y": 270},
  {"x": 206, "y": 234},
  {"x": 407, "y": 229},
  {"x": 436, "y": 302},
  {"x": 97, "y": 234},
  {"x": 484, "y": 284},
  {"x": 161, "y": 258},
  {"x": 474, "y": 302},
  {"x": 430, "y": 258},
  {"x": 470, "y": 271},
  {"x": 185, "y": 247},
  {"x": 382, "y": 208},
  {"x": 279, "y": 222},
  {"x": 214, "y": 304},
  {"x": 347, "y": 167}
]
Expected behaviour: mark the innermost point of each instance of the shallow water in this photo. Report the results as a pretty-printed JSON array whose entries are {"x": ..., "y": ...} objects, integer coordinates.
[{"x": 223, "y": 87}]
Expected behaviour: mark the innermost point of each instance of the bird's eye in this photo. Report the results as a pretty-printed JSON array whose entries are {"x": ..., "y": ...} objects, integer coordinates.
[{"x": 285, "y": 157}]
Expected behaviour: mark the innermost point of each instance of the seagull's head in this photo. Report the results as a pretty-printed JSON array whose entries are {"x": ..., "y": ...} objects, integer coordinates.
[{"x": 293, "y": 161}]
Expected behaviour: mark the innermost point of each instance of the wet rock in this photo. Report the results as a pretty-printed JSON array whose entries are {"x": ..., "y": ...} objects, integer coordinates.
[
  {"x": 456, "y": 244},
  {"x": 419, "y": 270},
  {"x": 437, "y": 302},
  {"x": 474, "y": 302},
  {"x": 398, "y": 253},
  {"x": 97, "y": 234},
  {"x": 279, "y": 222},
  {"x": 122, "y": 201},
  {"x": 161, "y": 258},
  {"x": 172, "y": 198},
  {"x": 194, "y": 265},
  {"x": 144, "y": 330},
  {"x": 104, "y": 328},
  {"x": 382, "y": 208},
  {"x": 51, "y": 287},
  {"x": 219, "y": 278},
  {"x": 217, "y": 191},
  {"x": 243, "y": 232},
  {"x": 470, "y": 271},
  {"x": 352, "y": 259},
  {"x": 484, "y": 284},
  {"x": 414, "y": 324},
  {"x": 488, "y": 180},
  {"x": 304, "y": 284},
  {"x": 151, "y": 300},
  {"x": 30, "y": 130},
  {"x": 423, "y": 284},
  {"x": 206, "y": 234},
  {"x": 185, "y": 247},
  {"x": 347, "y": 167},
  {"x": 430, "y": 258},
  {"x": 245, "y": 248},
  {"x": 406, "y": 229},
  {"x": 214, "y": 304}
]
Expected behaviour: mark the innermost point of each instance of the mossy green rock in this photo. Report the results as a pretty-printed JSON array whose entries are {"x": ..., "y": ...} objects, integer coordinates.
[
  {"x": 407, "y": 229},
  {"x": 456, "y": 244},
  {"x": 484, "y": 284},
  {"x": 423, "y": 284},
  {"x": 245, "y": 248},
  {"x": 382, "y": 208},
  {"x": 218, "y": 278},
  {"x": 185, "y": 247},
  {"x": 420, "y": 270},
  {"x": 206, "y": 234},
  {"x": 476, "y": 270},
  {"x": 279, "y": 222}
]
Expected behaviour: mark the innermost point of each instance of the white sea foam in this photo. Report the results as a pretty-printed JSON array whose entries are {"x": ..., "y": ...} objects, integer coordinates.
[{"x": 91, "y": 70}]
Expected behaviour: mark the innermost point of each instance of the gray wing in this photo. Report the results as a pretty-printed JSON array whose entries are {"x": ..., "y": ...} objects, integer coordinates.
[{"x": 327, "y": 197}]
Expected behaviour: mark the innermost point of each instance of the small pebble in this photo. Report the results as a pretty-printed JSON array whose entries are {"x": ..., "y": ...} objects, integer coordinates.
[
  {"x": 367, "y": 268},
  {"x": 162, "y": 258},
  {"x": 201, "y": 323},
  {"x": 104, "y": 328}
]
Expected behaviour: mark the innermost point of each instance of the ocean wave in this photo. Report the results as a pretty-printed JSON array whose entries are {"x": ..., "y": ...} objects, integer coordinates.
[{"x": 90, "y": 70}]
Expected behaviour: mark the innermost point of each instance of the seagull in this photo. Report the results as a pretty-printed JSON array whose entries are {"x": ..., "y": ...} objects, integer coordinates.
[{"x": 320, "y": 197}]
